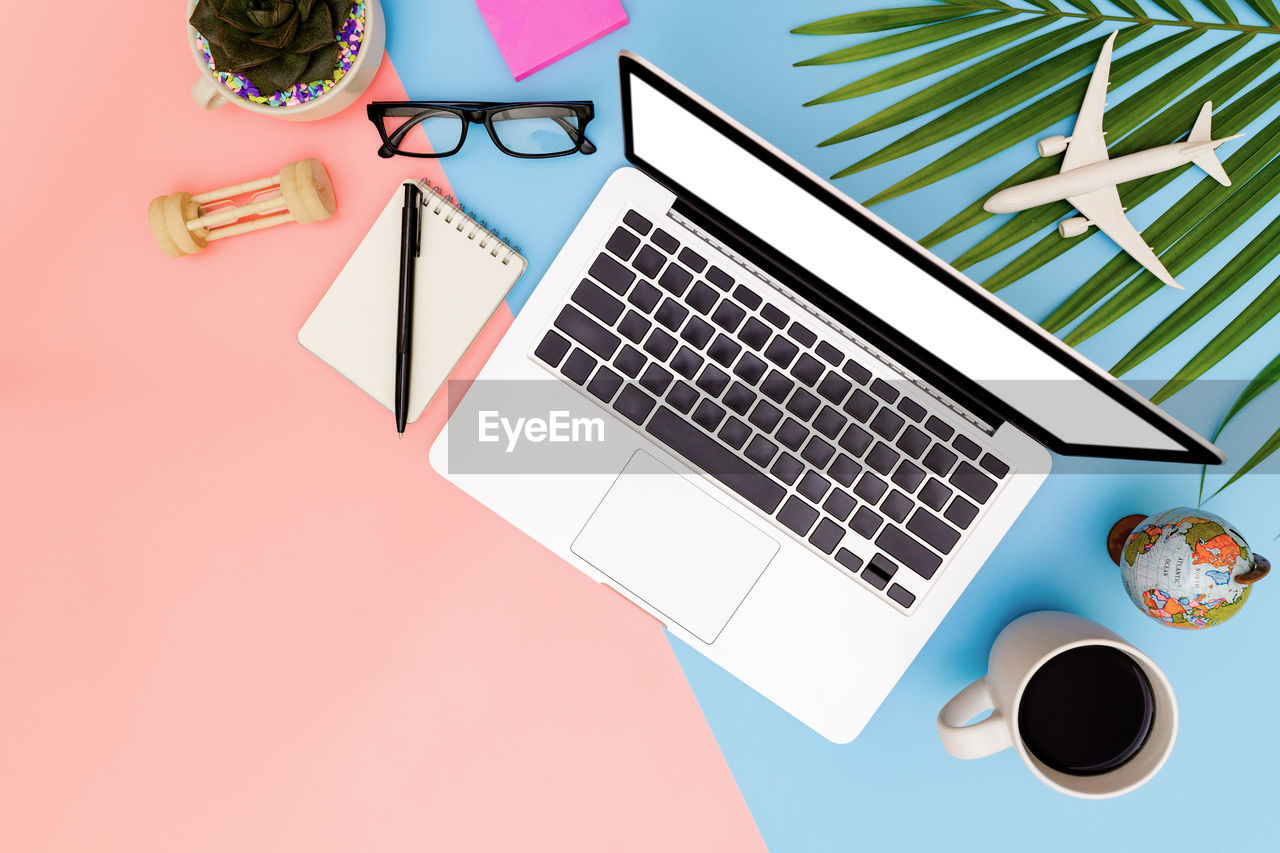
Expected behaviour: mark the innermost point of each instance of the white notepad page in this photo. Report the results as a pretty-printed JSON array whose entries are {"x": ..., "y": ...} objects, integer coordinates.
[{"x": 462, "y": 274}]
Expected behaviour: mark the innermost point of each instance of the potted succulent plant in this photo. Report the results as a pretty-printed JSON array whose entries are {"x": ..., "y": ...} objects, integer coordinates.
[{"x": 294, "y": 59}]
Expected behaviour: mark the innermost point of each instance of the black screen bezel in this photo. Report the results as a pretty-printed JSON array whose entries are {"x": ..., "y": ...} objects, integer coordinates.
[{"x": 843, "y": 308}]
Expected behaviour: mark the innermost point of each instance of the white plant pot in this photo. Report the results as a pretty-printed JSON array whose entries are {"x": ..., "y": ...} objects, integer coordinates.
[{"x": 209, "y": 93}]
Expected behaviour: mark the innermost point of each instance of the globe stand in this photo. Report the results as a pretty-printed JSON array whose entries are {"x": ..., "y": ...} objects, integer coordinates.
[{"x": 1120, "y": 534}]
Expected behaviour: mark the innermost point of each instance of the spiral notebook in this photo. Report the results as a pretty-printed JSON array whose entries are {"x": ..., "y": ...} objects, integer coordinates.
[{"x": 463, "y": 272}]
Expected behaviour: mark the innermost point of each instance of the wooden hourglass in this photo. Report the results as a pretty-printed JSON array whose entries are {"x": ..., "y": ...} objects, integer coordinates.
[{"x": 183, "y": 224}]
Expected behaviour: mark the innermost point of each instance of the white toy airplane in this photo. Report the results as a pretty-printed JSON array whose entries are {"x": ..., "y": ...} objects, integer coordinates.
[{"x": 1088, "y": 178}]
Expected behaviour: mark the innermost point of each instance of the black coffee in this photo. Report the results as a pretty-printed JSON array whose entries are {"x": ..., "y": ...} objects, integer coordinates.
[{"x": 1087, "y": 710}]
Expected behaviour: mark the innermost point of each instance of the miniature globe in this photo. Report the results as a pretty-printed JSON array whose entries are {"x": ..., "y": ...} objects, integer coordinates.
[{"x": 1186, "y": 568}]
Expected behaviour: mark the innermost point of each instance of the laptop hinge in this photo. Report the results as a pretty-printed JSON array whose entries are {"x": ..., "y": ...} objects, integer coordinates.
[{"x": 790, "y": 281}]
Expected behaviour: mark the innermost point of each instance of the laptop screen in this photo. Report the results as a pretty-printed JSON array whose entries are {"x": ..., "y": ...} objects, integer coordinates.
[{"x": 1027, "y": 375}]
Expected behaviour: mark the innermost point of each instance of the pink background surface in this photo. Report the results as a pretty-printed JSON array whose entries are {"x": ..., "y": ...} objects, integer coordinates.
[{"x": 235, "y": 612}]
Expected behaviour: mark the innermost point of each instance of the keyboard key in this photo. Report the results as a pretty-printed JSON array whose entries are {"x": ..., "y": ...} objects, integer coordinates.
[
  {"x": 870, "y": 488},
  {"x": 701, "y": 298},
  {"x": 587, "y": 332},
  {"x": 728, "y": 316},
  {"x": 861, "y": 405},
  {"x": 637, "y": 222},
  {"x": 792, "y": 434},
  {"x": 939, "y": 460},
  {"x": 713, "y": 380},
  {"x": 818, "y": 453},
  {"x": 605, "y": 384},
  {"x": 939, "y": 427},
  {"x": 659, "y": 344},
  {"x": 649, "y": 261},
  {"x": 611, "y": 274},
  {"x": 835, "y": 388},
  {"x": 686, "y": 362},
  {"x": 634, "y": 327},
  {"x": 826, "y": 536},
  {"x": 754, "y": 333},
  {"x": 720, "y": 278},
  {"x": 775, "y": 315},
  {"x": 708, "y": 415},
  {"x": 682, "y": 396},
  {"x": 807, "y": 369},
  {"x": 697, "y": 332},
  {"x": 787, "y": 468},
  {"x": 839, "y": 503},
  {"x": 884, "y": 390},
  {"x": 633, "y": 404},
  {"x": 735, "y": 433},
  {"x": 897, "y": 506},
  {"x": 844, "y": 470},
  {"x": 644, "y": 296},
  {"x": 803, "y": 404},
  {"x": 856, "y": 440},
  {"x": 761, "y": 450},
  {"x": 797, "y": 516},
  {"x": 675, "y": 279},
  {"x": 665, "y": 241},
  {"x": 829, "y": 422},
  {"x": 746, "y": 296},
  {"x": 865, "y": 522},
  {"x": 802, "y": 335},
  {"x": 908, "y": 476},
  {"x": 966, "y": 446},
  {"x": 934, "y": 495},
  {"x": 911, "y": 409},
  {"x": 629, "y": 361},
  {"x": 879, "y": 571},
  {"x": 671, "y": 314},
  {"x": 623, "y": 243},
  {"x": 655, "y": 380},
  {"x": 886, "y": 423},
  {"x": 552, "y": 348},
  {"x": 848, "y": 559},
  {"x": 578, "y": 366},
  {"x": 906, "y": 550},
  {"x": 739, "y": 398},
  {"x": 994, "y": 466},
  {"x": 776, "y": 386},
  {"x": 933, "y": 530},
  {"x": 856, "y": 372},
  {"x": 882, "y": 457},
  {"x": 765, "y": 416},
  {"x": 781, "y": 351},
  {"x": 961, "y": 513},
  {"x": 692, "y": 260},
  {"x": 723, "y": 350},
  {"x": 829, "y": 354},
  {"x": 973, "y": 482},
  {"x": 738, "y": 475},
  {"x": 901, "y": 595},
  {"x": 813, "y": 486},
  {"x": 750, "y": 368},
  {"x": 912, "y": 442}
]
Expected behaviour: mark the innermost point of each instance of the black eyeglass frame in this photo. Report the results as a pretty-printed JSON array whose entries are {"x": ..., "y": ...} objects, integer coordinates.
[{"x": 480, "y": 112}]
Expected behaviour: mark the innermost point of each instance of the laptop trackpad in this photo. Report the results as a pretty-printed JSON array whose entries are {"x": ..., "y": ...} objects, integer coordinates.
[{"x": 675, "y": 547}]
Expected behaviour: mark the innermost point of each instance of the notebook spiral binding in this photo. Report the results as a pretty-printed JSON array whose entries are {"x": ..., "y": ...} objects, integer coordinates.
[{"x": 439, "y": 202}]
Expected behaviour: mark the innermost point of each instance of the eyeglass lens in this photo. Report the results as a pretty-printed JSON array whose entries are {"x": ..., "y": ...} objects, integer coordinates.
[
  {"x": 418, "y": 130},
  {"x": 537, "y": 129}
]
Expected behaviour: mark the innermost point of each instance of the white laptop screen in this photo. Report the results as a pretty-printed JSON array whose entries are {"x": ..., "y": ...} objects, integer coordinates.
[{"x": 683, "y": 142}]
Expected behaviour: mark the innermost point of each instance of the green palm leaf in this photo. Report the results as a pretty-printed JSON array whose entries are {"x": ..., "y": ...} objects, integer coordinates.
[
  {"x": 1222, "y": 10},
  {"x": 877, "y": 20},
  {"x": 1269, "y": 447},
  {"x": 905, "y": 41},
  {"x": 1268, "y": 376},
  {"x": 1266, "y": 10}
]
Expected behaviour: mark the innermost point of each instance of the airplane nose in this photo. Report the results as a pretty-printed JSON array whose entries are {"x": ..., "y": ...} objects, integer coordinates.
[{"x": 999, "y": 203}]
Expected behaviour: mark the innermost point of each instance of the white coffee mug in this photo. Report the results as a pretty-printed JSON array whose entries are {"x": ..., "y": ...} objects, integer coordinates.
[{"x": 1024, "y": 646}]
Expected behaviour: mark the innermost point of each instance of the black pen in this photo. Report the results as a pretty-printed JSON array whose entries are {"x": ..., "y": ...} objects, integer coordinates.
[{"x": 410, "y": 240}]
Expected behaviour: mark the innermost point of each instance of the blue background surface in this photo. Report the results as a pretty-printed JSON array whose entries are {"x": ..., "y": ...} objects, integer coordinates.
[{"x": 895, "y": 787}]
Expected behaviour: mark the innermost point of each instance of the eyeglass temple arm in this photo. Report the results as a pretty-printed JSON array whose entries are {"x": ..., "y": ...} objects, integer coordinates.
[{"x": 585, "y": 145}]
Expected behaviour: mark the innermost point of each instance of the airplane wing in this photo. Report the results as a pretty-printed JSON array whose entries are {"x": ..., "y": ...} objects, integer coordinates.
[
  {"x": 1102, "y": 208},
  {"x": 1088, "y": 145}
]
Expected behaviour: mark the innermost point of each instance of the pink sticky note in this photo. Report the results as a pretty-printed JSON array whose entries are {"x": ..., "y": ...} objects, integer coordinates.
[{"x": 532, "y": 34}]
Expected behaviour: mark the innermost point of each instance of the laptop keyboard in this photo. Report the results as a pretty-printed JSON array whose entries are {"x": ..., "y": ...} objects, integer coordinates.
[{"x": 863, "y": 474}]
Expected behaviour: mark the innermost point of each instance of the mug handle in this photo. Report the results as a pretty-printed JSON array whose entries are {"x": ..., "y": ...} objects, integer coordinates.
[
  {"x": 206, "y": 95},
  {"x": 980, "y": 739}
]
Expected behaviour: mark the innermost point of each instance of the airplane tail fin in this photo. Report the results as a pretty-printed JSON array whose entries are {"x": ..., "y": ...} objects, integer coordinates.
[{"x": 1202, "y": 132}]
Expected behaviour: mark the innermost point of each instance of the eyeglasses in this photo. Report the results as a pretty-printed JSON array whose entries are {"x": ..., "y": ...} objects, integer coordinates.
[{"x": 527, "y": 129}]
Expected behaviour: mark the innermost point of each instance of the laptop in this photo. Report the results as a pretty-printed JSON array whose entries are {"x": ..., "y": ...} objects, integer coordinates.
[{"x": 816, "y": 430}]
